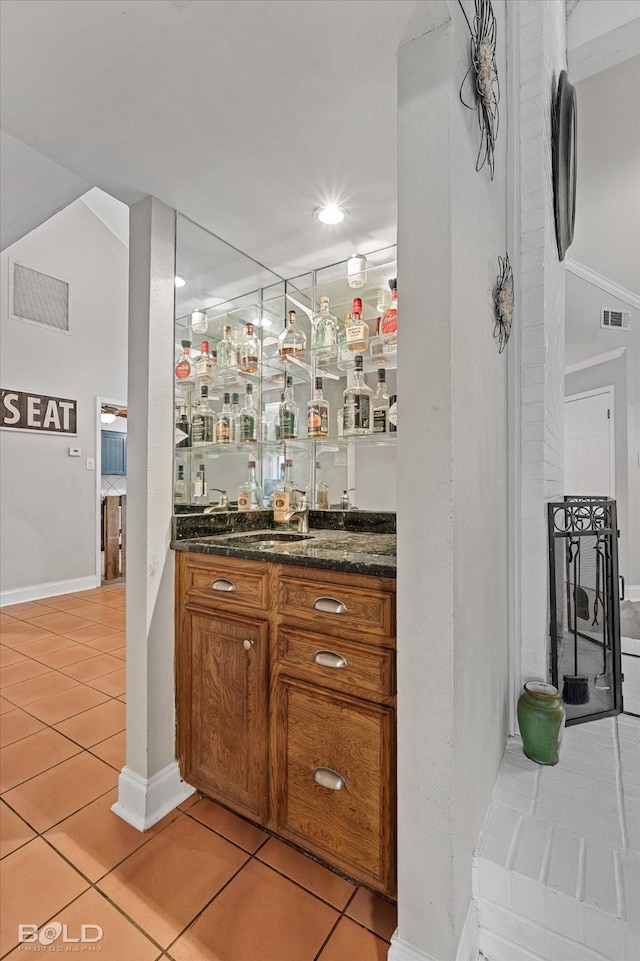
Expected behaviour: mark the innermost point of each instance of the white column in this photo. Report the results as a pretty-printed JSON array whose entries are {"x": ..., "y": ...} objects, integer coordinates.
[{"x": 149, "y": 785}]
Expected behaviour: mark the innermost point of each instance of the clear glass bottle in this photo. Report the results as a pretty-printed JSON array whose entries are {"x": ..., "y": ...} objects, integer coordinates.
[
  {"x": 226, "y": 349},
  {"x": 380, "y": 405},
  {"x": 324, "y": 333},
  {"x": 288, "y": 413},
  {"x": 318, "y": 413},
  {"x": 345, "y": 357},
  {"x": 199, "y": 322},
  {"x": 376, "y": 346},
  {"x": 180, "y": 490},
  {"x": 205, "y": 367},
  {"x": 389, "y": 322},
  {"x": 357, "y": 403},
  {"x": 358, "y": 329},
  {"x": 250, "y": 493},
  {"x": 285, "y": 496},
  {"x": 322, "y": 491},
  {"x": 249, "y": 352},
  {"x": 223, "y": 422},
  {"x": 203, "y": 425},
  {"x": 183, "y": 428},
  {"x": 393, "y": 413},
  {"x": 246, "y": 426},
  {"x": 235, "y": 417},
  {"x": 185, "y": 369},
  {"x": 199, "y": 487},
  {"x": 292, "y": 342}
]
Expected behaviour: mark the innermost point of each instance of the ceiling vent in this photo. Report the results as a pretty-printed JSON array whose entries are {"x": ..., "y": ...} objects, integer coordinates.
[
  {"x": 615, "y": 319},
  {"x": 38, "y": 298}
]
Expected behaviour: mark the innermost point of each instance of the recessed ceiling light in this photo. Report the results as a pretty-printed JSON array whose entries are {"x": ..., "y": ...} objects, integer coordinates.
[
  {"x": 331, "y": 214},
  {"x": 180, "y": 281}
]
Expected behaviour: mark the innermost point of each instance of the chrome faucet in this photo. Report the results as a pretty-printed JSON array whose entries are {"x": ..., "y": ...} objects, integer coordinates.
[
  {"x": 222, "y": 505},
  {"x": 301, "y": 515}
]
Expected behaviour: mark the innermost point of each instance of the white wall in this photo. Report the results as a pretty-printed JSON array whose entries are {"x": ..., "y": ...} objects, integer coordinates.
[
  {"x": 452, "y": 491},
  {"x": 49, "y": 499}
]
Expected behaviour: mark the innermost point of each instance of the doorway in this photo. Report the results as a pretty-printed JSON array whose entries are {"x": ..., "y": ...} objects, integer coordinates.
[
  {"x": 589, "y": 443},
  {"x": 111, "y": 481}
]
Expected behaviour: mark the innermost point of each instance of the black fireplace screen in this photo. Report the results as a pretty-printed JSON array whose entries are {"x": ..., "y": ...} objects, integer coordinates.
[{"x": 585, "y": 607}]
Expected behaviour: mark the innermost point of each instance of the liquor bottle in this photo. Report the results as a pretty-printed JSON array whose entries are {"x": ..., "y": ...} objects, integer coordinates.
[
  {"x": 358, "y": 329},
  {"x": 235, "y": 417},
  {"x": 376, "y": 346},
  {"x": 357, "y": 403},
  {"x": 247, "y": 419},
  {"x": 203, "y": 425},
  {"x": 180, "y": 490},
  {"x": 226, "y": 349},
  {"x": 199, "y": 487},
  {"x": 324, "y": 335},
  {"x": 292, "y": 342},
  {"x": 318, "y": 413},
  {"x": 185, "y": 370},
  {"x": 288, "y": 413},
  {"x": 322, "y": 491},
  {"x": 380, "y": 405},
  {"x": 183, "y": 430},
  {"x": 389, "y": 324},
  {"x": 345, "y": 357},
  {"x": 205, "y": 368},
  {"x": 393, "y": 413},
  {"x": 249, "y": 493},
  {"x": 199, "y": 322},
  {"x": 223, "y": 422},
  {"x": 285, "y": 497},
  {"x": 249, "y": 352}
]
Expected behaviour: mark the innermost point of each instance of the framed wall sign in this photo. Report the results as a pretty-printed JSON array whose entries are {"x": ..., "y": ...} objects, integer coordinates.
[{"x": 21, "y": 410}]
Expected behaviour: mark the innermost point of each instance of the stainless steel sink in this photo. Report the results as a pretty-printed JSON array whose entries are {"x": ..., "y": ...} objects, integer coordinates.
[{"x": 266, "y": 538}]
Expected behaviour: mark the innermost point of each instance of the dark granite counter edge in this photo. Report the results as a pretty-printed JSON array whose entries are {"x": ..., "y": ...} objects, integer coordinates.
[{"x": 187, "y": 526}]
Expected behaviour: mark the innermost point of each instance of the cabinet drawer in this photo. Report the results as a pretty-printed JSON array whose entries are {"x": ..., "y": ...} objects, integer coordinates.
[
  {"x": 336, "y": 607},
  {"x": 220, "y": 583},
  {"x": 341, "y": 665},
  {"x": 335, "y": 777}
]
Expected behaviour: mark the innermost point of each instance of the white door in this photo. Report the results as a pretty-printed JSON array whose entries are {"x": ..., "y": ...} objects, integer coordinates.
[{"x": 589, "y": 443}]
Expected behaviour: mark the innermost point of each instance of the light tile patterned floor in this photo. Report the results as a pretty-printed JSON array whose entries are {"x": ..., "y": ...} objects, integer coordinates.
[{"x": 202, "y": 885}]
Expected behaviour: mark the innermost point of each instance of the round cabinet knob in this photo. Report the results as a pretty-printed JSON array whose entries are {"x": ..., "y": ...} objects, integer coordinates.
[{"x": 247, "y": 644}]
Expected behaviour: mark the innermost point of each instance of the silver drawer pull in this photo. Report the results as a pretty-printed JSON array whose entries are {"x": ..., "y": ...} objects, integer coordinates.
[
  {"x": 330, "y": 605},
  {"x": 329, "y": 659},
  {"x": 325, "y": 777},
  {"x": 222, "y": 584}
]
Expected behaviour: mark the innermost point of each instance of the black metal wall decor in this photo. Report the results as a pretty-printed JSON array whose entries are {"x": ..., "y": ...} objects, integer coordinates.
[
  {"x": 585, "y": 607},
  {"x": 503, "y": 300},
  {"x": 483, "y": 73},
  {"x": 564, "y": 163}
]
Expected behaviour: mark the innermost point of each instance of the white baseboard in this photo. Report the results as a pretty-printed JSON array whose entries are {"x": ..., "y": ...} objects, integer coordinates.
[
  {"x": 468, "y": 948},
  {"x": 143, "y": 802},
  {"x": 52, "y": 589},
  {"x": 632, "y": 592}
]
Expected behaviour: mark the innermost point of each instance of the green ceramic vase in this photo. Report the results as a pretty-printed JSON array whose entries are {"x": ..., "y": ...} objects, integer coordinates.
[{"x": 541, "y": 718}]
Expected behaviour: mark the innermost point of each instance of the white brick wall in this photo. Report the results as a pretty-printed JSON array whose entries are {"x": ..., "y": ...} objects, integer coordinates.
[{"x": 557, "y": 867}]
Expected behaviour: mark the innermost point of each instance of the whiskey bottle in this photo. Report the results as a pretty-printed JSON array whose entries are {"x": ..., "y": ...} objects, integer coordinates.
[
  {"x": 324, "y": 335},
  {"x": 345, "y": 357},
  {"x": 185, "y": 370},
  {"x": 247, "y": 419},
  {"x": 226, "y": 349},
  {"x": 358, "y": 329},
  {"x": 380, "y": 405},
  {"x": 205, "y": 367},
  {"x": 223, "y": 422},
  {"x": 376, "y": 346},
  {"x": 203, "y": 426},
  {"x": 322, "y": 491},
  {"x": 285, "y": 497},
  {"x": 389, "y": 324},
  {"x": 292, "y": 342},
  {"x": 183, "y": 429},
  {"x": 199, "y": 487},
  {"x": 318, "y": 413},
  {"x": 249, "y": 493},
  {"x": 249, "y": 352},
  {"x": 357, "y": 403},
  {"x": 235, "y": 417},
  {"x": 288, "y": 413},
  {"x": 393, "y": 413},
  {"x": 180, "y": 490}
]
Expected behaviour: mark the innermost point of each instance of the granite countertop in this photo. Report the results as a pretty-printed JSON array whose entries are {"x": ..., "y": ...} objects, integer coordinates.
[{"x": 358, "y": 552}]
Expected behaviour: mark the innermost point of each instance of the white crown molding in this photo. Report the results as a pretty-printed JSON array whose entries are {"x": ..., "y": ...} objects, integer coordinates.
[
  {"x": 597, "y": 359},
  {"x": 604, "y": 283}
]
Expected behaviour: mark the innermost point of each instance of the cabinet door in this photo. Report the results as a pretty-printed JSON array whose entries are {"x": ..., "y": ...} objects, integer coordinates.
[
  {"x": 114, "y": 452},
  {"x": 334, "y": 780},
  {"x": 223, "y": 699}
]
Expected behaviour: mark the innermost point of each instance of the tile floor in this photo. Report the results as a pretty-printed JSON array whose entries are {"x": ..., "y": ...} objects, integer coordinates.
[{"x": 202, "y": 885}]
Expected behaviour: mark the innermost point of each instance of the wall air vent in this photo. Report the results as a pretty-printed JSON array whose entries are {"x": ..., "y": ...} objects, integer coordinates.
[
  {"x": 38, "y": 298},
  {"x": 615, "y": 319}
]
